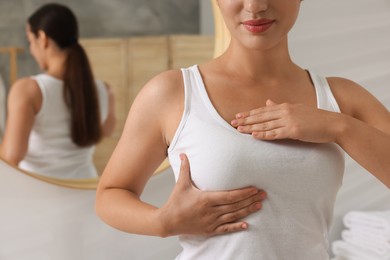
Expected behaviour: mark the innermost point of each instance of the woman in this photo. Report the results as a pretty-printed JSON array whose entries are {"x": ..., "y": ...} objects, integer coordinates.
[
  {"x": 250, "y": 118},
  {"x": 55, "y": 118}
]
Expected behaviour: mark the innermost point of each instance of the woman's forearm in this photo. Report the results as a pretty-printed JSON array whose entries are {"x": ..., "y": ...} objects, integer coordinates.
[
  {"x": 367, "y": 145},
  {"x": 123, "y": 210}
]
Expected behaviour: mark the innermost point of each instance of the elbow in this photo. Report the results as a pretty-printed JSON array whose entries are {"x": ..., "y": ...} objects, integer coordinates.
[
  {"x": 11, "y": 157},
  {"x": 387, "y": 182},
  {"x": 99, "y": 205}
]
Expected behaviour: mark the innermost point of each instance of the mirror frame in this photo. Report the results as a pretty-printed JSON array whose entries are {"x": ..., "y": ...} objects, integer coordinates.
[{"x": 83, "y": 184}]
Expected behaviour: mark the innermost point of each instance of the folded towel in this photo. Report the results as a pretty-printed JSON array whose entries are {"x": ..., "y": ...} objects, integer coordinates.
[
  {"x": 339, "y": 258},
  {"x": 370, "y": 234},
  {"x": 380, "y": 248},
  {"x": 342, "y": 249},
  {"x": 378, "y": 222}
]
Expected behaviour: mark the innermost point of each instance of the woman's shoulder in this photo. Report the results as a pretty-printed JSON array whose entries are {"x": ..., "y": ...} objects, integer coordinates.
[
  {"x": 342, "y": 82},
  {"x": 353, "y": 98},
  {"x": 25, "y": 87},
  {"x": 157, "y": 108},
  {"x": 25, "y": 90},
  {"x": 166, "y": 79},
  {"x": 161, "y": 100},
  {"x": 164, "y": 86}
]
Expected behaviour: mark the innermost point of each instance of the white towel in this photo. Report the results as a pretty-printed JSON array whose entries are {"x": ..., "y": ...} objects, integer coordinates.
[
  {"x": 376, "y": 222},
  {"x": 380, "y": 248},
  {"x": 339, "y": 258},
  {"x": 370, "y": 234},
  {"x": 344, "y": 250}
]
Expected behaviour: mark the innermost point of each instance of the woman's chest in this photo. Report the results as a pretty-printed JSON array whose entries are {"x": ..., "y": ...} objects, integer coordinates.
[{"x": 222, "y": 159}]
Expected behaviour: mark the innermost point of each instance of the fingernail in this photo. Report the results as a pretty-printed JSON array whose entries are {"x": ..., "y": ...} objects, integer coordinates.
[
  {"x": 244, "y": 226},
  {"x": 234, "y": 122},
  {"x": 258, "y": 205},
  {"x": 240, "y": 128},
  {"x": 263, "y": 195},
  {"x": 238, "y": 116},
  {"x": 181, "y": 156}
]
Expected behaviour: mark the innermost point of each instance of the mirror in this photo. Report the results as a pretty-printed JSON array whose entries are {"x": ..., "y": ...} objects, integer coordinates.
[{"x": 127, "y": 63}]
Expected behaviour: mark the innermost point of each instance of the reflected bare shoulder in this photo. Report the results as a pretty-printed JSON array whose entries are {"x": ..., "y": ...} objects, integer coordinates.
[{"x": 25, "y": 90}]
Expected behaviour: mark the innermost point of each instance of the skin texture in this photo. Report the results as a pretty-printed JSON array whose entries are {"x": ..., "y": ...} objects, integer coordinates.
[
  {"x": 257, "y": 88},
  {"x": 25, "y": 98}
]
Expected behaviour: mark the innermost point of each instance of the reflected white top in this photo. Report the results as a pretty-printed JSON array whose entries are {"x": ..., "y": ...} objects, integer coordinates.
[
  {"x": 51, "y": 151},
  {"x": 301, "y": 180}
]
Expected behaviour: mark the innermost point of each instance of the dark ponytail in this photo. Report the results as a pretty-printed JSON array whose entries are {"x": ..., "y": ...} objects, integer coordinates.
[{"x": 80, "y": 93}]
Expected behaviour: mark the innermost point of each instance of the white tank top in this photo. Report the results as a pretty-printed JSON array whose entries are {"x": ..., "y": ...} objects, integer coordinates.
[
  {"x": 51, "y": 151},
  {"x": 301, "y": 180}
]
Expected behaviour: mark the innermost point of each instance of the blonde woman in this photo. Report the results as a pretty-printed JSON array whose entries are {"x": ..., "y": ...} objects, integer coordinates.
[{"x": 249, "y": 118}]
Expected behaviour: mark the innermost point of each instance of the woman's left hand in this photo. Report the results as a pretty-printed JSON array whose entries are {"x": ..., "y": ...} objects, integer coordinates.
[{"x": 289, "y": 121}]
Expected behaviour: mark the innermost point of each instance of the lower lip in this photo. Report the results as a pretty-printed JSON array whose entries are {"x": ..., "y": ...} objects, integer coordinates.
[{"x": 258, "y": 28}]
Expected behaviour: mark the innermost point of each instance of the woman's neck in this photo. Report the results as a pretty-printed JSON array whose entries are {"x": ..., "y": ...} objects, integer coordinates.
[
  {"x": 56, "y": 65},
  {"x": 259, "y": 65}
]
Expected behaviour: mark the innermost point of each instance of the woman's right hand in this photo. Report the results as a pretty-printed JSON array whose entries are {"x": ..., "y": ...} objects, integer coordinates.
[{"x": 190, "y": 211}]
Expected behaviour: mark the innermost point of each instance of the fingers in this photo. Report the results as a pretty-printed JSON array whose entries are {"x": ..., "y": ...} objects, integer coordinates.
[
  {"x": 239, "y": 214},
  {"x": 269, "y": 107},
  {"x": 266, "y": 123},
  {"x": 217, "y": 198},
  {"x": 230, "y": 221},
  {"x": 269, "y": 102},
  {"x": 209, "y": 213},
  {"x": 261, "y": 127},
  {"x": 257, "y": 198},
  {"x": 262, "y": 116},
  {"x": 184, "y": 176},
  {"x": 230, "y": 228},
  {"x": 272, "y": 134}
]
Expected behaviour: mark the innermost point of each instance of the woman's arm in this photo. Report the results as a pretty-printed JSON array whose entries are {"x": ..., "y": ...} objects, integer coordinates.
[
  {"x": 365, "y": 131},
  {"x": 109, "y": 124},
  {"x": 24, "y": 102},
  {"x": 140, "y": 150},
  {"x": 362, "y": 129}
]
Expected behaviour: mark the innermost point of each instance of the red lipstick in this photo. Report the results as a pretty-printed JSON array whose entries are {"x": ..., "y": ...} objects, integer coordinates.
[{"x": 258, "y": 25}]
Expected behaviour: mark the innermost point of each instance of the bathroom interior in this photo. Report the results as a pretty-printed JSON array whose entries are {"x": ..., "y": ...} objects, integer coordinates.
[{"x": 128, "y": 42}]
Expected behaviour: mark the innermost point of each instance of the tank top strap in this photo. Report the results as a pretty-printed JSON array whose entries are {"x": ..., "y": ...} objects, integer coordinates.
[
  {"x": 325, "y": 97},
  {"x": 187, "y": 82},
  {"x": 43, "y": 81}
]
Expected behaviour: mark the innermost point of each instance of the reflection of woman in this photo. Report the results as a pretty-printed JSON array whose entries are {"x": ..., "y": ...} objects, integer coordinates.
[
  {"x": 251, "y": 118},
  {"x": 55, "y": 119}
]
